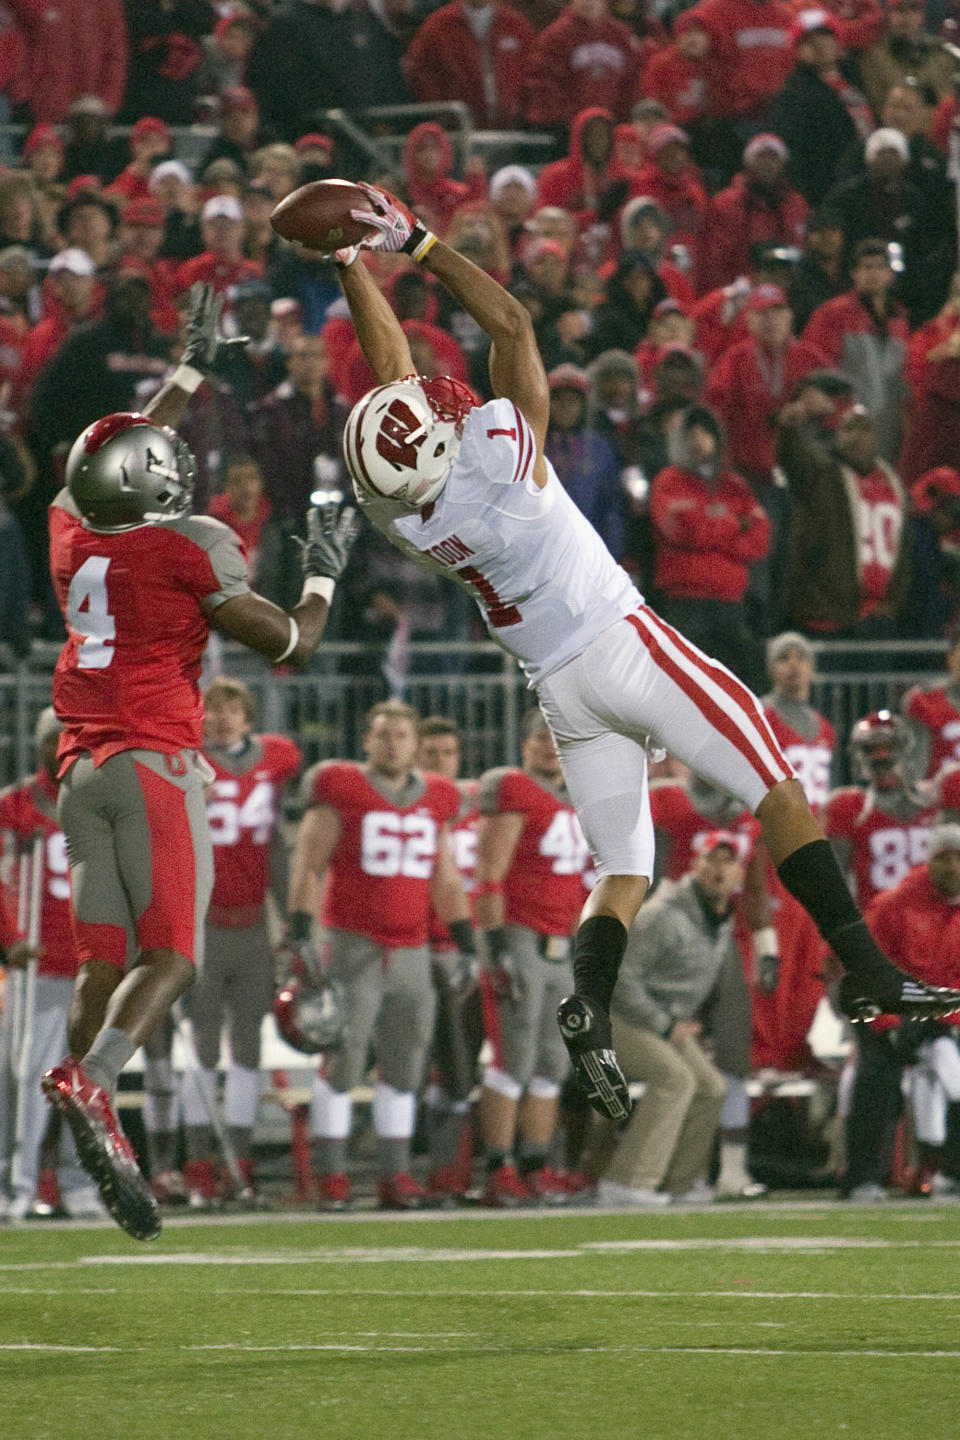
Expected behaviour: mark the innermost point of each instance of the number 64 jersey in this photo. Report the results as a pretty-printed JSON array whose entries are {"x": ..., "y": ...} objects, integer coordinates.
[
  {"x": 242, "y": 805},
  {"x": 137, "y": 605},
  {"x": 378, "y": 879}
]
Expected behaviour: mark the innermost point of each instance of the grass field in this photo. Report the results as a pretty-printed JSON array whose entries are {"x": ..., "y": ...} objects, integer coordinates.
[{"x": 762, "y": 1324}]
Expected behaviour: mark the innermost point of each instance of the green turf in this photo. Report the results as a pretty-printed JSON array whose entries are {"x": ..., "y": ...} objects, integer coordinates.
[{"x": 752, "y": 1330}]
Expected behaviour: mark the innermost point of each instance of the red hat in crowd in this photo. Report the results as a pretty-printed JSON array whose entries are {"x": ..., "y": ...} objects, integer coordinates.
[
  {"x": 144, "y": 212},
  {"x": 765, "y": 141},
  {"x": 718, "y": 838},
  {"x": 238, "y": 98},
  {"x": 569, "y": 377},
  {"x": 662, "y": 135},
  {"x": 314, "y": 141},
  {"x": 669, "y": 306},
  {"x": 767, "y": 297},
  {"x": 935, "y": 485},
  {"x": 39, "y": 136},
  {"x": 150, "y": 125},
  {"x": 84, "y": 185},
  {"x": 810, "y": 22}
]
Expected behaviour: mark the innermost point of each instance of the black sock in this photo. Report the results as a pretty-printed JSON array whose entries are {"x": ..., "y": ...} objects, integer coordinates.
[
  {"x": 814, "y": 878},
  {"x": 531, "y": 1160},
  {"x": 496, "y": 1159},
  {"x": 597, "y": 952}
]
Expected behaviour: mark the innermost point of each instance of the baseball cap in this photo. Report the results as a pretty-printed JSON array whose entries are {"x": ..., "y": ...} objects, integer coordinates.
[
  {"x": 150, "y": 125},
  {"x": 160, "y": 172},
  {"x": 568, "y": 377},
  {"x": 668, "y": 306},
  {"x": 886, "y": 138},
  {"x": 780, "y": 645},
  {"x": 42, "y": 135},
  {"x": 511, "y": 175},
  {"x": 88, "y": 105},
  {"x": 73, "y": 259},
  {"x": 144, "y": 212},
  {"x": 944, "y": 837},
  {"x": 223, "y": 207},
  {"x": 718, "y": 838},
  {"x": 767, "y": 297},
  {"x": 765, "y": 141},
  {"x": 84, "y": 185},
  {"x": 662, "y": 135},
  {"x": 314, "y": 141},
  {"x": 813, "y": 22}
]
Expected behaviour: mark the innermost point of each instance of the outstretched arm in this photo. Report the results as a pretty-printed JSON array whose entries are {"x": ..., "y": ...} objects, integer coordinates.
[
  {"x": 200, "y": 352},
  {"x": 382, "y": 340}
]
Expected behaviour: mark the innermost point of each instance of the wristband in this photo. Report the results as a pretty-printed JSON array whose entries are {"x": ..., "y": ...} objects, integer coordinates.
[
  {"x": 765, "y": 942},
  {"x": 489, "y": 887},
  {"x": 186, "y": 378},
  {"x": 301, "y": 926},
  {"x": 461, "y": 932},
  {"x": 294, "y": 638},
  {"x": 320, "y": 585},
  {"x": 420, "y": 243}
]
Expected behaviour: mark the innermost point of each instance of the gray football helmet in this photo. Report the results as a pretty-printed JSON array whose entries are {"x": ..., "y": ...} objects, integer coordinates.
[{"x": 125, "y": 471}]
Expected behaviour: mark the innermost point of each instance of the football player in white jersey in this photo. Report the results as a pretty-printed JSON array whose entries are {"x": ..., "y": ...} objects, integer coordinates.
[{"x": 467, "y": 490}]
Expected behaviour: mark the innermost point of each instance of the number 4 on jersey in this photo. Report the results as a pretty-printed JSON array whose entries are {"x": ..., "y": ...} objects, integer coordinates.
[{"x": 88, "y": 614}]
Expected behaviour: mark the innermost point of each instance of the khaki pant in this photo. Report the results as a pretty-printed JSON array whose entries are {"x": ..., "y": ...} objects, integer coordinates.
[{"x": 668, "y": 1138}]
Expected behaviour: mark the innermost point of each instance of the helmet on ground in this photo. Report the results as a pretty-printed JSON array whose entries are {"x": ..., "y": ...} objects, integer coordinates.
[
  {"x": 124, "y": 471},
  {"x": 879, "y": 743},
  {"x": 309, "y": 1016},
  {"x": 401, "y": 439}
]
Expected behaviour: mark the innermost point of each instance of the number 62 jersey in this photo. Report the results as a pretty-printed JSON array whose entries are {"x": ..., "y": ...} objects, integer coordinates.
[{"x": 378, "y": 879}]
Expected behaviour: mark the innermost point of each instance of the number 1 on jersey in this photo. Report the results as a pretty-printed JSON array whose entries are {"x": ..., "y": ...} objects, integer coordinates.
[{"x": 88, "y": 616}]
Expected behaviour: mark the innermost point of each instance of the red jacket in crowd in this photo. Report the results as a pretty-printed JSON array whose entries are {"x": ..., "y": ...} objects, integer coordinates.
[
  {"x": 576, "y": 186},
  {"x": 741, "y": 216},
  {"x": 355, "y": 377},
  {"x": 919, "y": 929},
  {"x": 575, "y": 64},
  {"x": 682, "y": 85},
  {"x": 707, "y": 534},
  {"x": 754, "y": 50},
  {"x": 847, "y": 315},
  {"x": 446, "y": 62},
  {"x": 747, "y": 386},
  {"x": 213, "y": 270},
  {"x": 75, "y": 47},
  {"x": 681, "y": 196},
  {"x": 440, "y": 196}
]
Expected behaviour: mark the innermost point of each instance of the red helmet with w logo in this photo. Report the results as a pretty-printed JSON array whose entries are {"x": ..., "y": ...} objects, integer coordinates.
[{"x": 401, "y": 439}]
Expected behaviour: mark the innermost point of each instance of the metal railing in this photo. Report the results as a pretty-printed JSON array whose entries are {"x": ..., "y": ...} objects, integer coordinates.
[{"x": 322, "y": 707}]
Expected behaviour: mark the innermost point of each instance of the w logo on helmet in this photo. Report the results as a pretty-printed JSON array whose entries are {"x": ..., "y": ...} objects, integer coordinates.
[{"x": 400, "y": 435}]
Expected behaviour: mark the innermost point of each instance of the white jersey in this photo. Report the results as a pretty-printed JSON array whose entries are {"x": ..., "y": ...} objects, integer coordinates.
[{"x": 544, "y": 580}]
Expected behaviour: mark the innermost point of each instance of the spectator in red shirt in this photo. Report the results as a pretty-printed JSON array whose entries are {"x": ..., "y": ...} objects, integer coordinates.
[
  {"x": 474, "y": 51},
  {"x": 669, "y": 178},
  {"x": 222, "y": 263},
  {"x": 708, "y": 529},
  {"x": 758, "y": 205},
  {"x": 589, "y": 182},
  {"x": 78, "y": 48},
  {"x": 584, "y": 59},
  {"x": 753, "y": 379},
  {"x": 864, "y": 334},
  {"x": 243, "y": 505},
  {"x": 75, "y": 295},
  {"x": 751, "y": 40},
  {"x": 150, "y": 142},
  {"x": 933, "y": 374},
  {"x": 684, "y": 74},
  {"x": 427, "y": 162},
  {"x": 141, "y": 237}
]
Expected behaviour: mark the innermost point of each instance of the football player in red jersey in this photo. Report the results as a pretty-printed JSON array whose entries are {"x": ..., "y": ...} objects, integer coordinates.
[
  {"x": 140, "y": 581},
  {"x": 530, "y": 863},
  {"x": 934, "y": 716},
  {"x": 458, "y": 1035},
  {"x": 26, "y": 811},
  {"x": 236, "y": 985},
  {"x": 377, "y": 833},
  {"x": 450, "y": 482},
  {"x": 880, "y": 830}
]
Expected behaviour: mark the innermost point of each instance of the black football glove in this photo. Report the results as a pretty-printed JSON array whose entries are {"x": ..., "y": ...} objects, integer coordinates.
[
  {"x": 331, "y": 533},
  {"x": 205, "y": 345}
]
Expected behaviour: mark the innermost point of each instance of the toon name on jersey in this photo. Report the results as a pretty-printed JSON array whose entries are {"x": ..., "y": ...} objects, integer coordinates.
[{"x": 450, "y": 551}]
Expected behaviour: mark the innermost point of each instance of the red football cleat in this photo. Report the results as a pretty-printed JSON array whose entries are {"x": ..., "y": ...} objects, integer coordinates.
[
  {"x": 547, "y": 1186},
  {"x": 203, "y": 1185},
  {"x": 505, "y": 1190},
  {"x": 336, "y": 1192},
  {"x": 104, "y": 1151},
  {"x": 401, "y": 1192},
  {"x": 445, "y": 1186}
]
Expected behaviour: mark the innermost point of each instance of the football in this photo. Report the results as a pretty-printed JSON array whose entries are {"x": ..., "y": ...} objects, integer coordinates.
[{"x": 318, "y": 217}]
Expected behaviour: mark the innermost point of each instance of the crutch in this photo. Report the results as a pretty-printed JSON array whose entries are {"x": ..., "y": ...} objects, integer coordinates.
[
  {"x": 32, "y": 864},
  {"x": 194, "y": 1068}
]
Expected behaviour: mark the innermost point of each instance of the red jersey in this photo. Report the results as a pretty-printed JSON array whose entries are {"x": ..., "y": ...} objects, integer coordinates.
[
  {"x": 378, "y": 880},
  {"x": 881, "y": 514},
  {"x": 920, "y": 930},
  {"x": 242, "y": 814},
  {"x": 543, "y": 888},
  {"x": 137, "y": 605},
  {"x": 462, "y": 836},
  {"x": 675, "y": 814},
  {"x": 934, "y": 710},
  {"x": 25, "y": 809},
  {"x": 810, "y": 759},
  {"x": 882, "y": 847}
]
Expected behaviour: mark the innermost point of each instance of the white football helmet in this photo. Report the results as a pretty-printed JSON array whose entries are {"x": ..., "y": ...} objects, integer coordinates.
[{"x": 401, "y": 439}]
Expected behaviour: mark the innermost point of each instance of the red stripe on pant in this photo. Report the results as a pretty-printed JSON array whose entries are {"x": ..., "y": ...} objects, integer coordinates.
[
  {"x": 168, "y": 921},
  {"x": 100, "y": 942},
  {"x": 708, "y": 707},
  {"x": 491, "y": 1018}
]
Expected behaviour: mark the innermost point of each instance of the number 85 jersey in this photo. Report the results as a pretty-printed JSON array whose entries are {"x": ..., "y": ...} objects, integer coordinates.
[{"x": 378, "y": 880}]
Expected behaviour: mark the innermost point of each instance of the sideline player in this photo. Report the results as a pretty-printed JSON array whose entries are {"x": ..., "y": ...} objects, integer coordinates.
[
  {"x": 140, "y": 581},
  {"x": 468, "y": 491},
  {"x": 378, "y": 834}
]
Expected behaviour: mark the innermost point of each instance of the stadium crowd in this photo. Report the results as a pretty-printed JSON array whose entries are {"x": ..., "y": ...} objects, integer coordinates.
[{"x": 739, "y": 249}]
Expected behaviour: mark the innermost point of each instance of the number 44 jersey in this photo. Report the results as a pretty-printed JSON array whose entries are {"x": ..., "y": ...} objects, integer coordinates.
[
  {"x": 137, "y": 605},
  {"x": 378, "y": 880}
]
